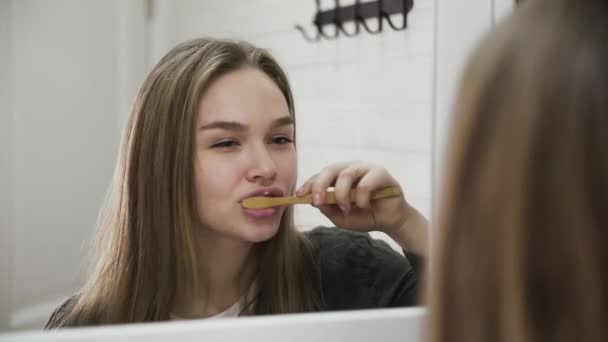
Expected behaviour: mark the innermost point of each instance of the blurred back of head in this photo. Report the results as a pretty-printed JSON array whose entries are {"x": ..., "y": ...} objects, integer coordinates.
[{"x": 523, "y": 227}]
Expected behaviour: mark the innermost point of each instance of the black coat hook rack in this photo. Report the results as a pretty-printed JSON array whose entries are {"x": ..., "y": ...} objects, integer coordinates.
[{"x": 357, "y": 13}]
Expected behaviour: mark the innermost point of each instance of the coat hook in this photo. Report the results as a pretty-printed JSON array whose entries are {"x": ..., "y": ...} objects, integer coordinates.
[
  {"x": 336, "y": 22},
  {"x": 306, "y": 36},
  {"x": 340, "y": 25},
  {"x": 320, "y": 33},
  {"x": 404, "y": 10},
  {"x": 380, "y": 19},
  {"x": 303, "y": 30}
]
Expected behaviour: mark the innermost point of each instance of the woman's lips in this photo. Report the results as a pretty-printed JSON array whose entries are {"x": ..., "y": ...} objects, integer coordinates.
[
  {"x": 261, "y": 213},
  {"x": 264, "y": 212}
]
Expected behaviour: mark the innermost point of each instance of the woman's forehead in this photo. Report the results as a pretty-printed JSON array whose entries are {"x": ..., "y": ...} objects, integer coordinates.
[{"x": 243, "y": 95}]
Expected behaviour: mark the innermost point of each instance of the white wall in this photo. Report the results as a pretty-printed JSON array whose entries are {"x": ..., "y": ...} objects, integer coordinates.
[
  {"x": 459, "y": 27},
  {"x": 502, "y": 8},
  {"x": 367, "y": 98},
  {"x": 63, "y": 113},
  {"x": 7, "y": 267},
  {"x": 460, "y": 24}
]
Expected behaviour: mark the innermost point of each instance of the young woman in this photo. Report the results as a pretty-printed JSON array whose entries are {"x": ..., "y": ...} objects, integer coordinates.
[
  {"x": 214, "y": 124},
  {"x": 523, "y": 232}
]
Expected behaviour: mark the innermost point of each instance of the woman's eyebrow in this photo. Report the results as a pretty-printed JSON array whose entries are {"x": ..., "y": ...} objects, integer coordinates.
[
  {"x": 227, "y": 125},
  {"x": 283, "y": 121},
  {"x": 237, "y": 126}
]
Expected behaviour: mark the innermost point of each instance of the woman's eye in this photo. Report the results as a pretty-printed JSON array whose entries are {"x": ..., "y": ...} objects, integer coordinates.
[
  {"x": 281, "y": 140},
  {"x": 225, "y": 144}
]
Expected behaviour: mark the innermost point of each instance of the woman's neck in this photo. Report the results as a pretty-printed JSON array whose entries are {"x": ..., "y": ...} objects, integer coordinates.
[{"x": 229, "y": 268}]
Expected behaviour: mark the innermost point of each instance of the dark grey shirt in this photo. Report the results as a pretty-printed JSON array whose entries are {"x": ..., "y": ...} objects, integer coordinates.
[{"x": 358, "y": 272}]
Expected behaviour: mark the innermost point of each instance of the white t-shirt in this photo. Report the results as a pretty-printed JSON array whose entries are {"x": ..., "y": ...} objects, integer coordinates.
[{"x": 233, "y": 311}]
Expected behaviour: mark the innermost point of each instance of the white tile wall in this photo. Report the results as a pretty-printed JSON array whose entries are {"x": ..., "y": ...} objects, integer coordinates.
[{"x": 364, "y": 98}]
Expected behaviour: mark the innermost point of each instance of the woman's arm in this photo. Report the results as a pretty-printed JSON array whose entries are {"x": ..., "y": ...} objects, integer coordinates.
[{"x": 412, "y": 233}]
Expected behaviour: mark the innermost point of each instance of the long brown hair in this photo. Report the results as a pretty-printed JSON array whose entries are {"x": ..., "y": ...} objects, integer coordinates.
[
  {"x": 146, "y": 241},
  {"x": 523, "y": 225}
]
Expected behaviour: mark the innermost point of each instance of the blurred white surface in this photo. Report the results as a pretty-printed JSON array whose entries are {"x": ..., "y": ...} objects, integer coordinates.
[{"x": 366, "y": 325}]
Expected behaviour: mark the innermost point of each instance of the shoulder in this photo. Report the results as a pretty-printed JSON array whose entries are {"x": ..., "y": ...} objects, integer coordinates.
[{"x": 358, "y": 271}]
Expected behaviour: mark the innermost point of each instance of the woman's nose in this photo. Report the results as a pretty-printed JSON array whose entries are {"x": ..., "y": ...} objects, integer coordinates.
[{"x": 262, "y": 166}]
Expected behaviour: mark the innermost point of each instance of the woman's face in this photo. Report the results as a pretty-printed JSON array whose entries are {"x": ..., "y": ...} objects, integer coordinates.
[{"x": 244, "y": 148}]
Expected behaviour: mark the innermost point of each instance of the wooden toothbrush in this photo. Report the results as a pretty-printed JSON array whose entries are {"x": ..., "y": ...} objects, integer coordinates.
[{"x": 268, "y": 202}]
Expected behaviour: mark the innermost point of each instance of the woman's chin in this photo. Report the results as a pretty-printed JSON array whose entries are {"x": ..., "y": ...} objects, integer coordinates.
[{"x": 261, "y": 233}]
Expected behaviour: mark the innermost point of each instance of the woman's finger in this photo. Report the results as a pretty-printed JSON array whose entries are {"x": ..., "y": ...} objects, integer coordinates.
[
  {"x": 345, "y": 183},
  {"x": 373, "y": 180},
  {"x": 306, "y": 188},
  {"x": 324, "y": 180}
]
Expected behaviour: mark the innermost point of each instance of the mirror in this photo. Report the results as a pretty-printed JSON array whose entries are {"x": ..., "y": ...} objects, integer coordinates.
[{"x": 75, "y": 74}]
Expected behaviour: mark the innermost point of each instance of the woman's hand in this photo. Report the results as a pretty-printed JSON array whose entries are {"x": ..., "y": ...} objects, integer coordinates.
[{"x": 392, "y": 215}]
